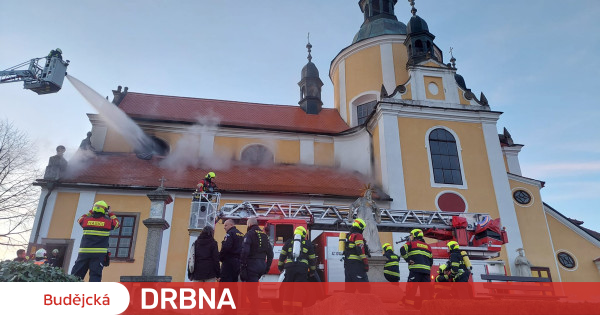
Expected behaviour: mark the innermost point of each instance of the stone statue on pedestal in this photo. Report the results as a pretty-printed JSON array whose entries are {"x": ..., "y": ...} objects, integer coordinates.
[
  {"x": 522, "y": 264},
  {"x": 86, "y": 144},
  {"x": 367, "y": 210},
  {"x": 57, "y": 165}
]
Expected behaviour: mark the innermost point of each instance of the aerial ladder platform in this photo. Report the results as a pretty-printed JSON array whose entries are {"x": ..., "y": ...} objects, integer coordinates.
[{"x": 42, "y": 75}]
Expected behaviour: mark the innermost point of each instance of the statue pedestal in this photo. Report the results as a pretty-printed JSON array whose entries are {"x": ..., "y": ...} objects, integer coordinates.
[{"x": 376, "y": 264}]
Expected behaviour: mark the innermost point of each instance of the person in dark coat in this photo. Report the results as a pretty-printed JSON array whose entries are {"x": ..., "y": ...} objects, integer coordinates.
[
  {"x": 231, "y": 249},
  {"x": 206, "y": 257}
]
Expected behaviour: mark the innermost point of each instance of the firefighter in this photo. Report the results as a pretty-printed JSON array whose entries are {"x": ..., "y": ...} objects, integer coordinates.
[
  {"x": 40, "y": 257},
  {"x": 206, "y": 186},
  {"x": 459, "y": 271},
  {"x": 391, "y": 269},
  {"x": 419, "y": 258},
  {"x": 231, "y": 249},
  {"x": 93, "y": 248},
  {"x": 53, "y": 260},
  {"x": 356, "y": 264},
  {"x": 297, "y": 257}
]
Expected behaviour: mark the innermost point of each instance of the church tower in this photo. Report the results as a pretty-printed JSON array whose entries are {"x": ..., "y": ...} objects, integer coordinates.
[
  {"x": 310, "y": 86},
  {"x": 419, "y": 41}
]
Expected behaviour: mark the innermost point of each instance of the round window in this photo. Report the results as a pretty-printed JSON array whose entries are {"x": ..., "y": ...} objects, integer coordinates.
[
  {"x": 451, "y": 202},
  {"x": 566, "y": 260},
  {"x": 522, "y": 197},
  {"x": 433, "y": 88}
]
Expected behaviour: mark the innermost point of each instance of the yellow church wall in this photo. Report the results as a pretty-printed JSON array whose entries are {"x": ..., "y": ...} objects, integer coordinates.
[
  {"x": 324, "y": 154},
  {"x": 462, "y": 98},
  {"x": 408, "y": 94},
  {"x": 288, "y": 152},
  {"x": 63, "y": 215},
  {"x": 284, "y": 151},
  {"x": 179, "y": 240},
  {"x": 437, "y": 81},
  {"x": 535, "y": 237},
  {"x": 582, "y": 250},
  {"x": 336, "y": 89},
  {"x": 363, "y": 73},
  {"x": 114, "y": 142},
  {"x": 400, "y": 59},
  {"x": 420, "y": 195},
  {"x": 377, "y": 154},
  {"x": 431, "y": 64},
  {"x": 125, "y": 204}
]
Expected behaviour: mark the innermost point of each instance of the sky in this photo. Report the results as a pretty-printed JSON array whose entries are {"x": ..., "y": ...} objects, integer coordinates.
[{"x": 536, "y": 61}]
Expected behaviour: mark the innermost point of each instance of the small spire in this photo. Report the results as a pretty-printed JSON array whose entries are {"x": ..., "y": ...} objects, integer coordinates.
[
  {"x": 309, "y": 46},
  {"x": 413, "y": 10},
  {"x": 162, "y": 182},
  {"x": 452, "y": 59}
]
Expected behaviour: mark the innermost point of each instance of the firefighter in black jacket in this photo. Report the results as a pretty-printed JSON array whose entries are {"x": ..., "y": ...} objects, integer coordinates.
[
  {"x": 391, "y": 269},
  {"x": 297, "y": 265},
  {"x": 231, "y": 249},
  {"x": 419, "y": 258},
  {"x": 93, "y": 249},
  {"x": 356, "y": 264},
  {"x": 459, "y": 271},
  {"x": 255, "y": 250}
]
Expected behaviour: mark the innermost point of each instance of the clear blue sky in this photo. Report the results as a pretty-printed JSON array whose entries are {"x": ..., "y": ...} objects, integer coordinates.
[{"x": 536, "y": 61}]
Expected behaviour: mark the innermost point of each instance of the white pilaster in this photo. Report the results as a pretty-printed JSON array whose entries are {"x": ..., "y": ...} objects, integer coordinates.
[
  {"x": 162, "y": 264},
  {"x": 387, "y": 67},
  {"x": 307, "y": 151},
  {"x": 44, "y": 222},
  {"x": 342, "y": 85},
  {"x": 392, "y": 172},
  {"x": 38, "y": 213},
  {"x": 207, "y": 143},
  {"x": 512, "y": 159},
  {"x": 506, "y": 207}
]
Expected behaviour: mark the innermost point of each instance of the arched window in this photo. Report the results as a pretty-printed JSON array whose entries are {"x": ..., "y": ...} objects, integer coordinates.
[
  {"x": 257, "y": 154},
  {"x": 444, "y": 157},
  {"x": 160, "y": 147},
  {"x": 419, "y": 46}
]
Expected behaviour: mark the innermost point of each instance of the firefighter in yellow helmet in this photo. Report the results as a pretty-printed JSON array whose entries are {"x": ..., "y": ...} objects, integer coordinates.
[
  {"x": 93, "y": 249},
  {"x": 206, "y": 187},
  {"x": 457, "y": 264},
  {"x": 356, "y": 264},
  {"x": 443, "y": 274},
  {"x": 418, "y": 255},
  {"x": 298, "y": 259},
  {"x": 391, "y": 269}
]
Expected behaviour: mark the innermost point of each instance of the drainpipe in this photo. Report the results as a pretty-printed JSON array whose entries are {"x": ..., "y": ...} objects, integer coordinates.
[{"x": 50, "y": 186}]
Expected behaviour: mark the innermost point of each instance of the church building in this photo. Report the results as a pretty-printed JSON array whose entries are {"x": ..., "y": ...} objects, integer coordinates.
[{"x": 402, "y": 120}]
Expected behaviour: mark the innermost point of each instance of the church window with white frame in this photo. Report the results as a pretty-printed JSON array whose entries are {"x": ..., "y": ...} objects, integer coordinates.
[{"x": 445, "y": 161}]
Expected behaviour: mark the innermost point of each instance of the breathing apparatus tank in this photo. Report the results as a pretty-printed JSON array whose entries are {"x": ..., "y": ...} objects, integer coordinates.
[
  {"x": 342, "y": 242},
  {"x": 466, "y": 259},
  {"x": 297, "y": 246}
]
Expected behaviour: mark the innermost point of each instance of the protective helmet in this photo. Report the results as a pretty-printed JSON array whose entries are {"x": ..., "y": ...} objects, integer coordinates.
[
  {"x": 41, "y": 253},
  {"x": 55, "y": 251},
  {"x": 453, "y": 245},
  {"x": 58, "y": 50},
  {"x": 100, "y": 206},
  {"x": 300, "y": 230},
  {"x": 359, "y": 223},
  {"x": 442, "y": 268},
  {"x": 386, "y": 246},
  {"x": 211, "y": 175},
  {"x": 416, "y": 233}
]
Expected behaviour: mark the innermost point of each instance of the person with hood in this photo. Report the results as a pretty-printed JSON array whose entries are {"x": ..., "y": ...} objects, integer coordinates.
[{"x": 206, "y": 258}]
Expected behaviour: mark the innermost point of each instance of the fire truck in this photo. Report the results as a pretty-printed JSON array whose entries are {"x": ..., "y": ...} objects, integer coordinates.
[{"x": 477, "y": 233}]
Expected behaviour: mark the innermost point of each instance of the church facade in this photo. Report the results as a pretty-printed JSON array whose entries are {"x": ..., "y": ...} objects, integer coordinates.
[{"x": 402, "y": 120}]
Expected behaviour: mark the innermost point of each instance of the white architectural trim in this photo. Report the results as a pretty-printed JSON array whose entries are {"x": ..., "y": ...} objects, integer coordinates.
[
  {"x": 572, "y": 226},
  {"x": 38, "y": 213},
  {"x": 526, "y": 190},
  {"x": 307, "y": 152},
  {"x": 342, "y": 85},
  {"x": 525, "y": 180},
  {"x": 362, "y": 98},
  {"x": 86, "y": 200},
  {"x": 506, "y": 207},
  {"x": 164, "y": 247},
  {"x": 410, "y": 109},
  {"x": 418, "y": 74},
  {"x": 437, "y": 197},
  {"x": 387, "y": 67},
  {"x": 458, "y": 149},
  {"x": 44, "y": 223},
  {"x": 392, "y": 171},
  {"x": 552, "y": 245},
  {"x": 512, "y": 158},
  {"x": 207, "y": 143},
  {"x": 572, "y": 255}
]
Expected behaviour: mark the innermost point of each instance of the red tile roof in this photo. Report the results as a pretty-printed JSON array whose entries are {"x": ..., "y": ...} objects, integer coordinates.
[
  {"x": 126, "y": 170},
  {"x": 230, "y": 113}
]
